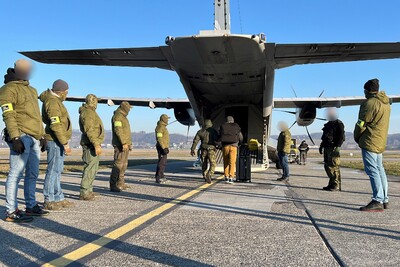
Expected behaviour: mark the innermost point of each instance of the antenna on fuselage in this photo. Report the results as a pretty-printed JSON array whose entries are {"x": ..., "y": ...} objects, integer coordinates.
[{"x": 222, "y": 15}]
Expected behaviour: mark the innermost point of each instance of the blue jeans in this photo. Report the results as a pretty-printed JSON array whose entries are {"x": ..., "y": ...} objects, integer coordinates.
[
  {"x": 373, "y": 166},
  {"x": 283, "y": 160},
  {"x": 55, "y": 165},
  {"x": 27, "y": 162}
]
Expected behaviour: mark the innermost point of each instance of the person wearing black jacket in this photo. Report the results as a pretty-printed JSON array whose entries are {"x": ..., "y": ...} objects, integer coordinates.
[
  {"x": 303, "y": 148},
  {"x": 332, "y": 139}
]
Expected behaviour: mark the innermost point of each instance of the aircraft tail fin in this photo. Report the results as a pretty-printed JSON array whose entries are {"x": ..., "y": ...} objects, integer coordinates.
[{"x": 222, "y": 15}]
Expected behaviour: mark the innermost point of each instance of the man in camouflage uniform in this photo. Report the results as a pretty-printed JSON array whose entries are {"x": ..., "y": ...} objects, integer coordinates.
[
  {"x": 24, "y": 135},
  {"x": 92, "y": 130},
  {"x": 58, "y": 132},
  {"x": 208, "y": 137},
  {"x": 162, "y": 146},
  {"x": 371, "y": 132},
  {"x": 283, "y": 149},
  {"x": 333, "y": 137},
  {"x": 122, "y": 142}
]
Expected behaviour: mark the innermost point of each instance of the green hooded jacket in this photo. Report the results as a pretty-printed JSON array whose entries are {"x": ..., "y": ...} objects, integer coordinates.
[
  {"x": 207, "y": 135},
  {"x": 121, "y": 128},
  {"x": 162, "y": 135},
  {"x": 91, "y": 126},
  {"x": 284, "y": 142},
  {"x": 371, "y": 129},
  {"x": 20, "y": 107},
  {"x": 56, "y": 118}
]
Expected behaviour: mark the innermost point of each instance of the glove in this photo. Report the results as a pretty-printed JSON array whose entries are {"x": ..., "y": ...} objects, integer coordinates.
[
  {"x": 18, "y": 145},
  {"x": 336, "y": 151},
  {"x": 125, "y": 148},
  {"x": 43, "y": 144},
  {"x": 98, "y": 150},
  {"x": 67, "y": 150},
  {"x": 166, "y": 151},
  {"x": 192, "y": 153},
  {"x": 321, "y": 150},
  {"x": 130, "y": 147}
]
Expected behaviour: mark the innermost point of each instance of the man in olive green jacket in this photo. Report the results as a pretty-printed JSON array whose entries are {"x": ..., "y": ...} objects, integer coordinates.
[
  {"x": 371, "y": 131},
  {"x": 92, "y": 137},
  {"x": 283, "y": 149},
  {"x": 209, "y": 138},
  {"x": 24, "y": 134},
  {"x": 58, "y": 132},
  {"x": 122, "y": 142},
  {"x": 162, "y": 146}
]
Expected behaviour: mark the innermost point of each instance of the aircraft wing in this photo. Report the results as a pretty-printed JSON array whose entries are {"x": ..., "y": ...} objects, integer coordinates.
[
  {"x": 295, "y": 54},
  {"x": 151, "y": 57},
  {"x": 141, "y": 102},
  {"x": 325, "y": 102}
]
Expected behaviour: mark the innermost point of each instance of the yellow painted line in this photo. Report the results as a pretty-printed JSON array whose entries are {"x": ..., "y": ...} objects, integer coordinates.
[{"x": 97, "y": 244}]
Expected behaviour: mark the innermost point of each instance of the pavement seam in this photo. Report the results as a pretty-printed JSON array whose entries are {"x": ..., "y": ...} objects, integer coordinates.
[
  {"x": 95, "y": 245},
  {"x": 299, "y": 204}
]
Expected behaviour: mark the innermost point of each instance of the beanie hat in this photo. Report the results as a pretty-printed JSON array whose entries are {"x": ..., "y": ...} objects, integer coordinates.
[
  {"x": 60, "y": 86},
  {"x": 372, "y": 86}
]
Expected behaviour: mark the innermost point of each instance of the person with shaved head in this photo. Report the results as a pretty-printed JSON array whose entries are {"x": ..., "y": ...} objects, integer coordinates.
[
  {"x": 24, "y": 134},
  {"x": 283, "y": 149}
]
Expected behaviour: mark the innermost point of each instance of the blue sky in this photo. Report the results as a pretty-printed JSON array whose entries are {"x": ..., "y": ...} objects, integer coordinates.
[{"x": 73, "y": 24}]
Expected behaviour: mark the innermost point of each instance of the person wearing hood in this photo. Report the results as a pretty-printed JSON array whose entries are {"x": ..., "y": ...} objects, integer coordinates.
[
  {"x": 333, "y": 136},
  {"x": 58, "y": 132},
  {"x": 122, "y": 143},
  {"x": 162, "y": 146},
  {"x": 92, "y": 137},
  {"x": 24, "y": 135},
  {"x": 371, "y": 132},
  {"x": 208, "y": 137},
  {"x": 283, "y": 149},
  {"x": 303, "y": 148},
  {"x": 230, "y": 138}
]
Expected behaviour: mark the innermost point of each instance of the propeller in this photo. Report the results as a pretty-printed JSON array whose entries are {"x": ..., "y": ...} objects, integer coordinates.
[{"x": 309, "y": 136}]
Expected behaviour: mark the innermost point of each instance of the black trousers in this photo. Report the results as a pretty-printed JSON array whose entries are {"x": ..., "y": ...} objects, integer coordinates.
[{"x": 162, "y": 163}]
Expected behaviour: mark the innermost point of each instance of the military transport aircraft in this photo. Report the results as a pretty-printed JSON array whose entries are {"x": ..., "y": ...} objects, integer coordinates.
[{"x": 228, "y": 74}]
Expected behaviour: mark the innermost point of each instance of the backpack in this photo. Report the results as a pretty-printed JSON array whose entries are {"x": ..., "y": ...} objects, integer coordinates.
[{"x": 230, "y": 133}]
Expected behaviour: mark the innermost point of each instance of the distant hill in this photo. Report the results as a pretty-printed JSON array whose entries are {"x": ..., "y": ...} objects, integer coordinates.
[{"x": 393, "y": 142}]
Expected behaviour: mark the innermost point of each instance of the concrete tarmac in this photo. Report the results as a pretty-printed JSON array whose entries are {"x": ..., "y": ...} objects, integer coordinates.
[{"x": 263, "y": 223}]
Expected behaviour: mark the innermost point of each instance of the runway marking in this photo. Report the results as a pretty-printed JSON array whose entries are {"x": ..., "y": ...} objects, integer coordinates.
[{"x": 97, "y": 244}]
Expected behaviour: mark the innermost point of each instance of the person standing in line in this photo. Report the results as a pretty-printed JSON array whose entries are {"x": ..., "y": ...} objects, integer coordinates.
[
  {"x": 303, "y": 148},
  {"x": 24, "y": 136},
  {"x": 371, "y": 132},
  {"x": 92, "y": 137},
  {"x": 162, "y": 146},
  {"x": 283, "y": 149},
  {"x": 333, "y": 136},
  {"x": 208, "y": 137},
  {"x": 58, "y": 132},
  {"x": 230, "y": 136},
  {"x": 122, "y": 143}
]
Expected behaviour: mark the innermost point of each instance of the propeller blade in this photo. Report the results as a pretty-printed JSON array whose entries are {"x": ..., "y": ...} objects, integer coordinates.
[
  {"x": 187, "y": 135},
  {"x": 321, "y": 119},
  {"x": 294, "y": 92},
  {"x": 321, "y": 93},
  {"x": 309, "y": 135},
  {"x": 287, "y": 111},
  {"x": 292, "y": 125}
]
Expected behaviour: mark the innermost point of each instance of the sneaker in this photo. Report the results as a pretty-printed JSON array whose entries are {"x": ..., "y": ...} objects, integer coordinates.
[
  {"x": 208, "y": 178},
  {"x": 283, "y": 179},
  {"x": 230, "y": 181},
  {"x": 87, "y": 197},
  {"x": 18, "y": 217},
  {"x": 226, "y": 179},
  {"x": 66, "y": 204},
  {"x": 36, "y": 211},
  {"x": 373, "y": 206},
  {"x": 52, "y": 205},
  {"x": 386, "y": 205}
]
